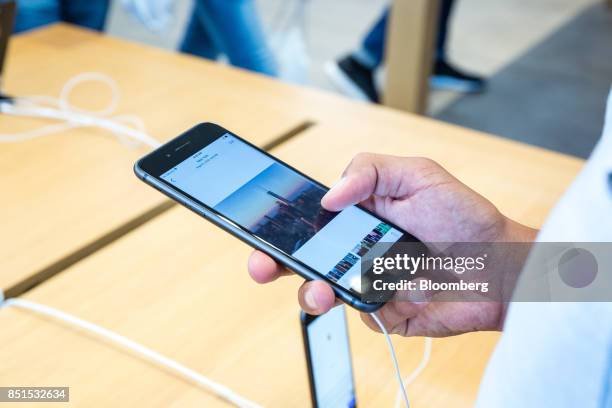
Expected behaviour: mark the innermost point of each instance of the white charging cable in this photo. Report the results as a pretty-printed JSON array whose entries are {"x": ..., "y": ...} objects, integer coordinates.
[
  {"x": 402, "y": 394},
  {"x": 128, "y": 128},
  {"x": 191, "y": 375},
  {"x": 151, "y": 355},
  {"x": 394, "y": 358},
  {"x": 417, "y": 371}
]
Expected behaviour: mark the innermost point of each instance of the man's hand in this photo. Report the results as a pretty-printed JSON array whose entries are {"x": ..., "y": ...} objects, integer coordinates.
[{"x": 422, "y": 198}]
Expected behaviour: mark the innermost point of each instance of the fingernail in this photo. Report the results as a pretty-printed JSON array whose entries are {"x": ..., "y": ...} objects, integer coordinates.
[{"x": 310, "y": 301}]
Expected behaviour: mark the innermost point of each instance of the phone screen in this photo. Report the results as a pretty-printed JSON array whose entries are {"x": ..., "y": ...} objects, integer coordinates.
[
  {"x": 282, "y": 207},
  {"x": 330, "y": 360}
]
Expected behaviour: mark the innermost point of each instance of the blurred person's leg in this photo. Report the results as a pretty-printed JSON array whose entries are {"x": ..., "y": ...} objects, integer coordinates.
[
  {"x": 197, "y": 39},
  {"x": 370, "y": 54},
  {"x": 444, "y": 75},
  {"x": 36, "y": 13},
  {"x": 235, "y": 30},
  {"x": 446, "y": 7},
  {"x": 85, "y": 13},
  {"x": 354, "y": 74}
]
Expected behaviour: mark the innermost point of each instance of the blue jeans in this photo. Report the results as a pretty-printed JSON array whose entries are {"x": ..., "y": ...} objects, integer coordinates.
[
  {"x": 372, "y": 47},
  {"x": 232, "y": 28},
  {"x": 35, "y": 13}
]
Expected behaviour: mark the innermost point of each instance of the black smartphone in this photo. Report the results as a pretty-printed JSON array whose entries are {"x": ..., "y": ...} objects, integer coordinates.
[
  {"x": 7, "y": 21},
  {"x": 269, "y": 205},
  {"x": 328, "y": 357}
]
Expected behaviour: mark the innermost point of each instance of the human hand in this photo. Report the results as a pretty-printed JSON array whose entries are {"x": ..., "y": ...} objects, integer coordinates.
[{"x": 422, "y": 198}]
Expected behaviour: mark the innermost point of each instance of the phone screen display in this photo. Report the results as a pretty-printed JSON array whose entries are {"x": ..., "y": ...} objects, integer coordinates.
[
  {"x": 281, "y": 207},
  {"x": 330, "y": 360}
]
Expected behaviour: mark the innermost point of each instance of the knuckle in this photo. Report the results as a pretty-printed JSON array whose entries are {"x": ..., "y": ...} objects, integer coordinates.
[
  {"x": 425, "y": 162},
  {"x": 364, "y": 157}
]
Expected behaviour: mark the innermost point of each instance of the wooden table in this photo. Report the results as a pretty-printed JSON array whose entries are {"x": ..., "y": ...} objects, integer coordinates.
[
  {"x": 66, "y": 195},
  {"x": 72, "y": 193},
  {"x": 179, "y": 285}
]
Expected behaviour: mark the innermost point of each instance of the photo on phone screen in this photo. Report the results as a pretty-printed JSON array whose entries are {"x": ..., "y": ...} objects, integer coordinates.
[
  {"x": 281, "y": 207},
  {"x": 328, "y": 357}
]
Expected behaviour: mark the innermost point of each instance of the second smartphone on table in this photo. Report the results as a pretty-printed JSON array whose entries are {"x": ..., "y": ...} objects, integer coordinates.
[{"x": 328, "y": 357}]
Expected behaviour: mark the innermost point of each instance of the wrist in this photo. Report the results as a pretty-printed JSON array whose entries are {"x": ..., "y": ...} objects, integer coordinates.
[
  {"x": 516, "y": 238},
  {"x": 513, "y": 231}
]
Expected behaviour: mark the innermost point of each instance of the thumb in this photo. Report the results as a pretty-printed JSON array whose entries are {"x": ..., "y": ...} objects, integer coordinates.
[
  {"x": 357, "y": 184},
  {"x": 344, "y": 193},
  {"x": 374, "y": 174}
]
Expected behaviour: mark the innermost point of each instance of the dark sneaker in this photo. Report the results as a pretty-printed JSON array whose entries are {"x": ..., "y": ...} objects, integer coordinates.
[
  {"x": 352, "y": 79},
  {"x": 447, "y": 77}
]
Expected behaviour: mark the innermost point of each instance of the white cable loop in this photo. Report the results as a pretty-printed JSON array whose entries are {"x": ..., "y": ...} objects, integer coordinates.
[
  {"x": 166, "y": 362},
  {"x": 64, "y": 99},
  {"x": 48, "y": 107}
]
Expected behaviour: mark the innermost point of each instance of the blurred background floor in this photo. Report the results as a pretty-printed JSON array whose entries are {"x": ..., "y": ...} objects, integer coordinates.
[{"x": 549, "y": 62}]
